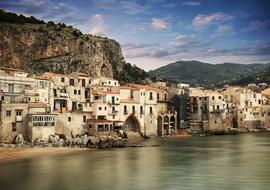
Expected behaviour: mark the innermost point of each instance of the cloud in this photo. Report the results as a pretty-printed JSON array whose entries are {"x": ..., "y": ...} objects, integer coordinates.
[
  {"x": 257, "y": 25},
  {"x": 133, "y": 46},
  {"x": 160, "y": 23},
  {"x": 203, "y": 20},
  {"x": 177, "y": 44},
  {"x": 130, "y": 7},
  {"x": 46, "y": 10},
  {"x": 133, "y": 7},
  {"x": 223, "y": 30},
  {"x": 191, "y": 3},
  {"x": 98, "y": 25},
  {"x": 181, "y": 36}
]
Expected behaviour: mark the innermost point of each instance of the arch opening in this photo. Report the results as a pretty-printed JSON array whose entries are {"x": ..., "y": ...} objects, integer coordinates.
[
  {"x": 132, "y": 124},
  {"x": 159, "y": 126}
]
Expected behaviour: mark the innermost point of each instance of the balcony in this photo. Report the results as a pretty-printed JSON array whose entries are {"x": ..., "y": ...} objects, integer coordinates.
[
  {"x": 63, "y": 95},
  {"x": 18, "y": 118},
  {"x": 113, "y": 112}
]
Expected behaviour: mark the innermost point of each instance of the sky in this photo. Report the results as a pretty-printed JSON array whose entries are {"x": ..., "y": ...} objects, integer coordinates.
[{"x": 154, "y": 33}]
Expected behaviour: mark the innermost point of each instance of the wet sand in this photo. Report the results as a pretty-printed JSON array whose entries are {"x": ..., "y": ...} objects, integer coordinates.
[{"x": 12, "y": 154}]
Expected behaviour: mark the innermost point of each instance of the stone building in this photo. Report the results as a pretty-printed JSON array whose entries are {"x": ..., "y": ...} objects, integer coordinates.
[{"x": 208, "y": 112}]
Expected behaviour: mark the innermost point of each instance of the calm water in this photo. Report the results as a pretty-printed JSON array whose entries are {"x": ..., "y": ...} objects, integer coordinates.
[{"x": 223, "y": 162}]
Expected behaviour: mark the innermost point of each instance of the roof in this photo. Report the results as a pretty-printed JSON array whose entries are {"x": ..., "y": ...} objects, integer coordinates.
[
  {"x": 128, "y": 88},
  {"x": 101, "y": 85},
  {"x": 266, "y": 92},
  {"x": 102, "y": 92},
  {"x": 145, "y": 87},
  {"x": 204, "y": 93}
]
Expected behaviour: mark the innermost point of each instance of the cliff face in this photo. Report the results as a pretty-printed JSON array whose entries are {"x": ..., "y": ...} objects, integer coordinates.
[{"x": 49, "y": 47}]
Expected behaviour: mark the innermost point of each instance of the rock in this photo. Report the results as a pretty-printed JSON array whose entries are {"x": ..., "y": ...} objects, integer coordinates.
[
  {"x": 60, "y": 143},
  {"x": 66, "y": 53},
  {"x": 19, "y": 139},
  {"x": 84, "y": 140},
  {"x": 92, "y": 142}
]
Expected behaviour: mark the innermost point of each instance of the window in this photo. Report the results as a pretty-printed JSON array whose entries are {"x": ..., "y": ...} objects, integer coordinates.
[
  {"x": 115, "y": 83},
  {"x": 43, "y": 84},
  {"x": 11, "y": 88},
  {"x": 133, "y": 109},
  {"x": 131, "y": 94},
  {"x": 125, "y": 109},
  {"x": 75, "y": 92},
  {"x": 14, "y": 127},
  {"x": 79, "y": 92},
  {"x": 69, "y": 119},
  {"x": 105, "y": 108},
  {"x": 99, "y": 108},
  {"x": 217, "y": 107},
  {"x": 62, "y": 79},
  {"x": 18, "y": 112},
  {"x": 213, "y": 97},
  {"x": 8, "y": 113},
  {"x": 151, "y": 110},
  {"x": 219, "y": 97},
  {"x": 141, "y": 110},
  {"x": 109, "y": 82},
  {"x": 157, "y": 96},
  {"x": 83, "y": 82},
  {"x": 71, "y": 82},
  {"x": 151, "y": 96},
  {"x": 84, "y": 118},
  {"x": 165, "y": 96}
]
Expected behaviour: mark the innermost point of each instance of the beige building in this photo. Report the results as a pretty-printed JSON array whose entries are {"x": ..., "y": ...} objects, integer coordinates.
[{"x": 209, "y": 111}]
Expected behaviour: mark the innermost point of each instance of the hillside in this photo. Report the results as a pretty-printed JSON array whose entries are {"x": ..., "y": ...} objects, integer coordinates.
[
  {"x": 36, "y": 46},
  {"x": 259, "y": 77},
  {"x": 205, "y": 74}
]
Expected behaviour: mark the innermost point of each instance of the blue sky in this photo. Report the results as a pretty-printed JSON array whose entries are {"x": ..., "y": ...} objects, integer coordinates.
[{"x": 153, "y": 33}]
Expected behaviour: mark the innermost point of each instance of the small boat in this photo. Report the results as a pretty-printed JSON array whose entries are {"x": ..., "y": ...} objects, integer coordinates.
[{"x": 182, "y": 133}]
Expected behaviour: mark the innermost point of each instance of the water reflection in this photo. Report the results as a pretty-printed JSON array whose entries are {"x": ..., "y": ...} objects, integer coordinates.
[{"x": 229, "y": 162}]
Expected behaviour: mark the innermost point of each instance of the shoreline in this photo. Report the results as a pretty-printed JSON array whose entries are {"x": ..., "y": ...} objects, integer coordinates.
[{"x": 15, "y": 154}]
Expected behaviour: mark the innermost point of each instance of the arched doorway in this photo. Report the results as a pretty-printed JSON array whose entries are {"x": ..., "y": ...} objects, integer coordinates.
[
  {"x": 159, "y": 126},
  {"x": 132, "y": 124}
]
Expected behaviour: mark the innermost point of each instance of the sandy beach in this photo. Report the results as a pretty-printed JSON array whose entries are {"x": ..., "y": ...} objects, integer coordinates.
[{"x": 11, "y": 154}]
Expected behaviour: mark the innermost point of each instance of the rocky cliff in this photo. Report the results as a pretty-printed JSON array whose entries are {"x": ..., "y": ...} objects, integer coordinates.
[{"x": 39, "y": 47}]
